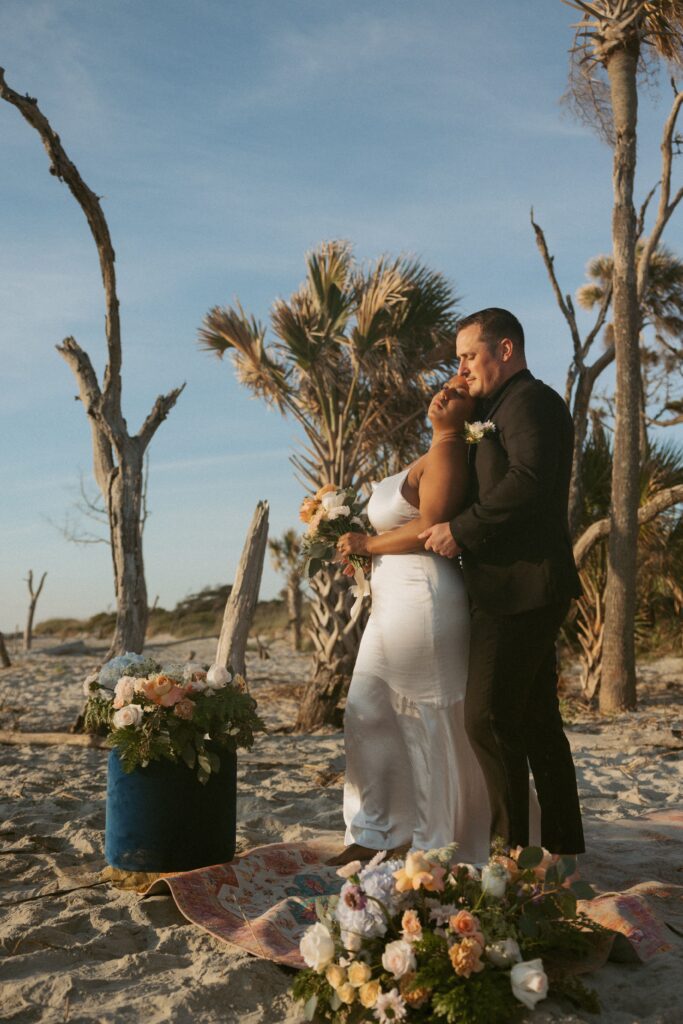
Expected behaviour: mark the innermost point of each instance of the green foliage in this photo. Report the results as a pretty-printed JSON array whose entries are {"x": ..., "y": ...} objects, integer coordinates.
[
  {"x": 481, "y": 999},
  {"x": 226, "y": 717}
]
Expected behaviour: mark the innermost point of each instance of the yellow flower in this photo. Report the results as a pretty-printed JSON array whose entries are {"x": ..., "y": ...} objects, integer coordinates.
[
  {"x": 335, "y": 975},
  {"x": 368, "y": 993},
  {"x": 359, "y": 973},
  {"x": 346, "y": 993}
]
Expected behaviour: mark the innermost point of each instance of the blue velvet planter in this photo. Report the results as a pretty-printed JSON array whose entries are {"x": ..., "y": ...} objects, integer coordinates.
[{"x": 161, "y": 818}]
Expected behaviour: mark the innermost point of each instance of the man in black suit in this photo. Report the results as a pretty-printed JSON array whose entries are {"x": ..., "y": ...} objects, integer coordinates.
[{"x": 520, "y": 573}]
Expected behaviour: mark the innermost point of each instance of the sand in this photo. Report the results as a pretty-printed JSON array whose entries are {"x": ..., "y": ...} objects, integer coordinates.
[{"x": 76, "y": 949}]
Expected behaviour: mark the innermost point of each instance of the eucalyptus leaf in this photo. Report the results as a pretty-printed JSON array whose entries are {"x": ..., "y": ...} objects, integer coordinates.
[{"x": 530, "y": 857}]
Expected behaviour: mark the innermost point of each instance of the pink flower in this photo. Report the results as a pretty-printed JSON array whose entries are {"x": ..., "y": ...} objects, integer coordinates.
[{"x": 173, "y": 696}]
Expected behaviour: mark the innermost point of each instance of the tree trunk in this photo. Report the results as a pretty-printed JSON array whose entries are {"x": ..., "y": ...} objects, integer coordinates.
[
  {"x": 33, "y": 601},
  {"x": 294, "y": 607},
  {"x": 124, "y": 506},
  {"x": 335, "y": 640},
  {"x": 239, "y": 610},
  {"x": 618, "y": 686},
  {"x": 582, "y": 397},
  {"x": 5, "y": 659}
]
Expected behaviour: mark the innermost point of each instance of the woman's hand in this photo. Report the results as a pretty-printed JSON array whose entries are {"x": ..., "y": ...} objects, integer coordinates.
[{"x": 353, "y": 544}]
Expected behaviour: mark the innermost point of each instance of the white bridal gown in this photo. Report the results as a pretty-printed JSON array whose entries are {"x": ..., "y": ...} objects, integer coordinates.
[{"x": 411, "y": 775}]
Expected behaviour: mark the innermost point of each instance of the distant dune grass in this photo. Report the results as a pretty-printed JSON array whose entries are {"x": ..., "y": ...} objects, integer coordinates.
[{"x": 197, "y": 615}]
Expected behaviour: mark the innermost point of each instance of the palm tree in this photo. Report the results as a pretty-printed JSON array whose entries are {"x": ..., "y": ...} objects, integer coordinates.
[
  {"x": 285, "y": 553},
  {"x": 660, "y": 549},
  {"x": 613, "y": 41},
  {"x": 357, "y": 353}
]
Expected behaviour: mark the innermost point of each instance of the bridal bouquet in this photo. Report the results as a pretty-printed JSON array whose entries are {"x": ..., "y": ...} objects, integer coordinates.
[
  {"x": 426, "y": 939},
  {"x": 153, "y": 711}
]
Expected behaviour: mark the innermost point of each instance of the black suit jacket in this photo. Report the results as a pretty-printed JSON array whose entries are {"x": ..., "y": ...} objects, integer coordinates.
[{"x": 517, "y": 553}]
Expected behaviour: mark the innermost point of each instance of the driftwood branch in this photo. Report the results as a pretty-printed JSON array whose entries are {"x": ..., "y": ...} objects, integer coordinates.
[
  {"x": 661, "y": 501},
  {"x": 564, "y": 302},
  {"x": 158, "y": 414},
  {"x": 667, "y": 205},
  {"x": 63, "y": 168},
  {"x": 53, "y": 739},
  {"x": 239, "y": 609}
]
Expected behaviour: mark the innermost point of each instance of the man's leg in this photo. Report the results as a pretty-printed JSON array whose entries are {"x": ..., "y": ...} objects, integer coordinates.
[
  {"x": 551, "y": 764},
  {"x": 509, "y": 675}
]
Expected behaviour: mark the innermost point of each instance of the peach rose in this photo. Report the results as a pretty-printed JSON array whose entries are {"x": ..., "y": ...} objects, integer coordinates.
[
  {"x": 325, "y": 489},
  {"x": 412, "y": 929},
  {"x": 412, "y": 996},
  {"x": 464, "y": 923}
]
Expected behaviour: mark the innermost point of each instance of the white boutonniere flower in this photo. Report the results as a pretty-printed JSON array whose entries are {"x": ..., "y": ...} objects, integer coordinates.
[{"x": 477, "y": 431}]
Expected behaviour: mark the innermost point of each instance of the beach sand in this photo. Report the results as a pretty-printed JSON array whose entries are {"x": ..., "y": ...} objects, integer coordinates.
[{"x": 97, "y": 953}]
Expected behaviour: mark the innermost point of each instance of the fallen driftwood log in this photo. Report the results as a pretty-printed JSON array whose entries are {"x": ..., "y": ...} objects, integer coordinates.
[
  {"x": 72, "y": 647},
  {"x": 53, "y": 739}
]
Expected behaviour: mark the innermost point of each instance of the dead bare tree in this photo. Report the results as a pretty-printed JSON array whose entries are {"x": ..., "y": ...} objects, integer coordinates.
[
  {"x": 5, "y": 659},
  {"x": 581, "y": 375},
  {"x": 117, "y": 455},
  {"x": 33, "y": 601}
]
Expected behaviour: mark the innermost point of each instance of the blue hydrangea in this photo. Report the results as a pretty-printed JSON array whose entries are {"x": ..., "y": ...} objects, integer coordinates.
[{"x": 127, "y": 664}]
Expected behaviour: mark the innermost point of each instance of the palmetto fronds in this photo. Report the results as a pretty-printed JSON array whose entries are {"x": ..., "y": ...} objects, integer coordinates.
[{"x": 355, "y": 355}]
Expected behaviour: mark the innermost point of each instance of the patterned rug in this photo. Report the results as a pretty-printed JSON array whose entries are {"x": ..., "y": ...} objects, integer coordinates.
[{"x": 265, "y": 899}]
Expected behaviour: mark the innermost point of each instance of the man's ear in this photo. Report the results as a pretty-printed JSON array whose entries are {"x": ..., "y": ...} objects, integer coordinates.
[{"x": 507, "y": 349}]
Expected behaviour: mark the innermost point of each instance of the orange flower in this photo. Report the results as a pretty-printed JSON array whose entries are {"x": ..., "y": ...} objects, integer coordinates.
[
  {"x": 419, "y": 873},
  {"x": 327, "y": 489},
  {"x": 410, "y": 923},
  {"x": 308, "y": 507},
  {"x": 466, "y": 958},
  {"x": 413, "y": 997}
]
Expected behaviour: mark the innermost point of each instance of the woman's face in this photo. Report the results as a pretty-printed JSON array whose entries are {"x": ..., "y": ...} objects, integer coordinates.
[{"x": 452, "y": 405}]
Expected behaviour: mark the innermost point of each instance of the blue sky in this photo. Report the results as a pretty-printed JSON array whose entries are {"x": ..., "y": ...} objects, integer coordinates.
[{"x": 226, "y": 140}]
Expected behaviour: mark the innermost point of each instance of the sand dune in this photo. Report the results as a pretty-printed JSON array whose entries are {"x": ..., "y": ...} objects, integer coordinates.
[{"x": 76, "y": 949}]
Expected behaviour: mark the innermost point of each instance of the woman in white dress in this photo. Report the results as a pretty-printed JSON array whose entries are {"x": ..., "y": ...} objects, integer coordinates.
[{"x": 412, "y": 779}]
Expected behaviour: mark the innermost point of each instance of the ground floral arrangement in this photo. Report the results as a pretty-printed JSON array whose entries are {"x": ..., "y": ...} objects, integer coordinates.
[
  {"x": 152, "y": 711},
  {"x": 425, "y": 938}
]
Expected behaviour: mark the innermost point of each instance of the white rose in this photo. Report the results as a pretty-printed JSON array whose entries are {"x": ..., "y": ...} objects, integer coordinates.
[
  {"x": 124, "y": 691},
  {"x": 494, "y": 880},
  {"x": 529, "y": 982},
  {"x": 317, "y": 947},
  {"x": 398, "y": 958},
  {"x": 130, "y": 715},
  {"x": 217, "y": 677},
  {"x": 504, "y": 952},
  {"x": 334, "y": 505}
]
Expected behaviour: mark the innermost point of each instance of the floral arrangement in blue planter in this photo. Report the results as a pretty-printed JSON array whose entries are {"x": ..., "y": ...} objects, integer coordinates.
[{"x": 171, "y": 789}]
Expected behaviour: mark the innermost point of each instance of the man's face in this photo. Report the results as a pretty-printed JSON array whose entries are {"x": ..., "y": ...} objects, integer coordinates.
[{"x": 482, "y": 365}]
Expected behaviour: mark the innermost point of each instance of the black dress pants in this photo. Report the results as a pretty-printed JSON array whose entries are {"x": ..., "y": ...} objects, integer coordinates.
[{"x": 513, "y": 721}]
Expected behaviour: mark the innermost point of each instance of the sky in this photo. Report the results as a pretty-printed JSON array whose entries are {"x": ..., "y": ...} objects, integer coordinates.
[{"x": 226, "y": 140}]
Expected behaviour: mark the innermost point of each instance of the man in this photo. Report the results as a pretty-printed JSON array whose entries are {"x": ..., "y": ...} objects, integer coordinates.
[{"x": 520, "y": 573}]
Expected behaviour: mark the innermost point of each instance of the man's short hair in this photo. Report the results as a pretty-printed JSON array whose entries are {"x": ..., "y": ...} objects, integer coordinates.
[{"x": 495, "y": 324}]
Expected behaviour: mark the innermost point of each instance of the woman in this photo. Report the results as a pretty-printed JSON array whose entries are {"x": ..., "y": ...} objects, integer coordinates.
[{"x": 412, "y": 779}]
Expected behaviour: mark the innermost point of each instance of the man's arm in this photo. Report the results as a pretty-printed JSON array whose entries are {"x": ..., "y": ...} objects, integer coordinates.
[{"x": 531, "y": 426}]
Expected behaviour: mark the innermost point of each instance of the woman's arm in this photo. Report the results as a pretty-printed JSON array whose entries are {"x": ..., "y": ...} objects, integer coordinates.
[{"x": 443, "y": 489}]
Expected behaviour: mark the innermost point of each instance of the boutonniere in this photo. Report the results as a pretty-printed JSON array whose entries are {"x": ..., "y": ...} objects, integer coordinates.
[{"x": 476, "y": 432}]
